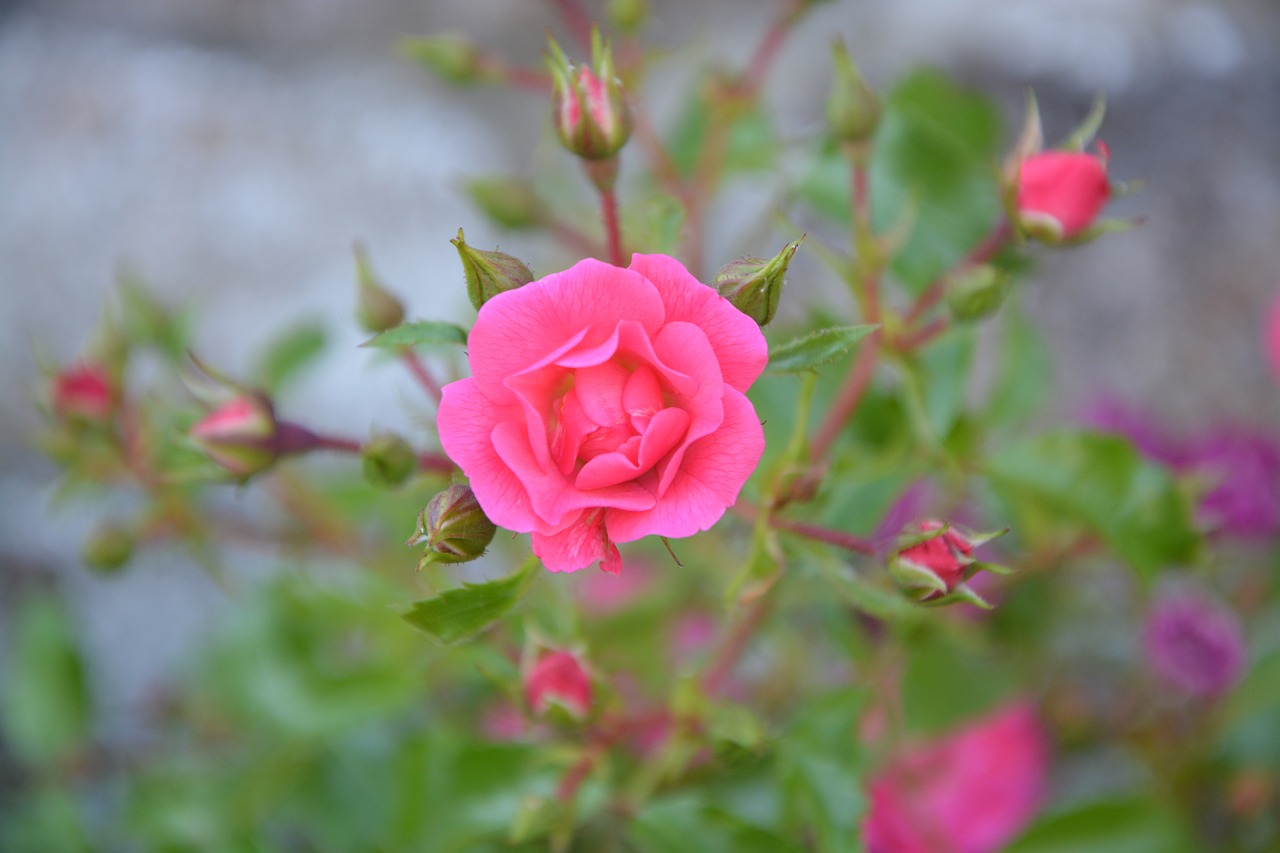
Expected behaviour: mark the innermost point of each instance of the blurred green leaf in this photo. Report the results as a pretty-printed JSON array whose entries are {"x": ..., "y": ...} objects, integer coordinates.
[
  {"x": 289, "y": 354},
  {"x": 45, "y": 821},
  {"x": 45, "y": 702},
  {"x": 947, "y": 683},
  {"x": 1127, "y": 826},
  {"x": 686, "y": 823},
  {"x": 420, "y": 333},
  {"x": 149, "y": 323},
  {"x": 1102, "y": 483},
  {"x": 933, "y": 167},
  {"x": 820, "y": 770},
  {"x": 460, "y": 614},
  {"x": 749, "y": 144},
  {"x": 1025, "y": 373},
  {"x": 816, "y": 348}
]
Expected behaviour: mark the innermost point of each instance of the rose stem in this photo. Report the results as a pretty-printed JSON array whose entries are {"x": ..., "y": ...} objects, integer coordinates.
[
  {"x": 727, "y": 655},
  {"x": 426, "y": 461},
  {"x": 758, "y": 65},
  {"x": 609, "y": 212},
  {"x": 576, "y": 19},
  {"x": 422, "y": 374},
  {"x": 810, "y": 531},
  {"x": 982, "y": 253}
]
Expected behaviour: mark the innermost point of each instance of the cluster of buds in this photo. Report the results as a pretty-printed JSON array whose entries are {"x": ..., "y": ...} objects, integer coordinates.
[
  {"x": 589, "y": 106},
  {"x": 932, "y": 562},
  {"x": 754, "y": 285},
  {"x": 558, "y": 682},
  {"x": 1056, "y": 196},
  {"x": 453, "y": 528}
]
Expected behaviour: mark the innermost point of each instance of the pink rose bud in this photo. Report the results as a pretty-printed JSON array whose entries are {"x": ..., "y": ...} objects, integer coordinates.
[
  {"x": 754, "y": 285},
  {"x": 1061, "y": 193},
  {"x": 241, "y": 435},
  {"x": 1271, "y": 337},
  {"x": 558, "y": 679},
  {"x": 933, "y": 560},
  {"x": 589, "y": 107},
  {"x": 489, "y": 273},
  {"x": 83, "y": 393},
  {"x": 973, "y": 791},
  {"x": 453, "y": 527}
]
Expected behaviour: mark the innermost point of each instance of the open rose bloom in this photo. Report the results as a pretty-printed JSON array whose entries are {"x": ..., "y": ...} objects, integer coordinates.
[{"x": 606, "y": 404}]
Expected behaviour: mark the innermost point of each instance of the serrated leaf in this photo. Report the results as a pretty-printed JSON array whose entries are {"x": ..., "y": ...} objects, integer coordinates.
[
  {"x": 419, "y": 333},
  {"x": 817, "y": 348},
  {"x": 288, "y": 355},
  {"x": 460, "y": 614}
]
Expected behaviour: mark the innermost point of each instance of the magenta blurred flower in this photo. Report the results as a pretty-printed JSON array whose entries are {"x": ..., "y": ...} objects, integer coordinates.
[
  {"x": 1109, "y": 414},
  {"x": 1243, "y": 469},
  {"x": 559, "y": 679},
  {"x": 1271, "y": 336},
  {"x": 1194, "y": 643},
  {"x": 970, "y": 792}
]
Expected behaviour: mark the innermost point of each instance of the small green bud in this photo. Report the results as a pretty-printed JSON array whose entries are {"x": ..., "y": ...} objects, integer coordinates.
[
  {"x": 387, "y": 459},
  {"x": 451, "y": 56},
  {"x": 754, "y": 285},
  {"x": 489, "y": 273},
  {"x": 453, "y": 527},
  {"x": 108, "y": 548},
  {"x": 510, "y": 202},
  {"x": 588, "y": 106},
  {"x": 377, "y": 309},
  {"x": 853, "y": 110},
  {"x": 627, "y": 16},
  {"x": 976, "y": 292}
]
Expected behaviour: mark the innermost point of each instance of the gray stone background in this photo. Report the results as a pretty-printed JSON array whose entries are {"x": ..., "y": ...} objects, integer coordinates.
[{"x": 229, "y": 151}]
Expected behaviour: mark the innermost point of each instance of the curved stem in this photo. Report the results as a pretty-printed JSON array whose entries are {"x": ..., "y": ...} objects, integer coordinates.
[
  {"x": 576, "y": 19},
  {"x": 422, "y": 374},
  {"x": 842, "y": 408},
  {"x": 818, "y": 533}
]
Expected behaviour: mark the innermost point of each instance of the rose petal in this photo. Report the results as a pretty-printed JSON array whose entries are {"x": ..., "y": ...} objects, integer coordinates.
[
  {"x": 599, "y": 390},
  {"x": 643, "y": 391},
  {"x": 665, "y": 430},
  {"x": 578, "y": 546},
  {"x": 518, "y": 328},
  {"x": 740, "y": 347},
  {"x": 686, "y": 348},
  {"x": 712, "y": 473}
]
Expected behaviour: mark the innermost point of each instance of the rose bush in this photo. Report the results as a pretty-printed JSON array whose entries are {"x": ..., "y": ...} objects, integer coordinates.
[{"x": 606, "y": 404}]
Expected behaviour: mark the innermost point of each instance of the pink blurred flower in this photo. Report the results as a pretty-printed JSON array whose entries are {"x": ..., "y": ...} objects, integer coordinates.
[
  {"x": 970, "y": 792},
  {"x": 602, "y": 593},
  {"x": 241, "y": 435},
  {"x": 1194, "y": 643},
  {"x": 1243, "y": 469},
  {"x": 85, "y": 392},
  {"x": 1271, "y": 336},
  {"x": 558, "y": 678},
  {"x": 607, "y": 404},
  {"x": 1062, "y": 192}
]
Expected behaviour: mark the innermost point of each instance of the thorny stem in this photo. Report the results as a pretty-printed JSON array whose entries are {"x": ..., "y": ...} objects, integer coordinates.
[{"x": 422, "y": 374}]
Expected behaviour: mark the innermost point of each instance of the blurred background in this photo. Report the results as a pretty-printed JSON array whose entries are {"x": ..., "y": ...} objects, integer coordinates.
[{"x": 228, "y": 153}]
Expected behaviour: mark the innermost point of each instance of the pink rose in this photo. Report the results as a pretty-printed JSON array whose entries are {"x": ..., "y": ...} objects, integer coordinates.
[
  {"x": 1061, "y": 193},
  {"x": 970, "y": 792},
  {"x": 606, "y": 404},
  {"x": 559, "y": 679},
  {"x": 83, "y": 392}
]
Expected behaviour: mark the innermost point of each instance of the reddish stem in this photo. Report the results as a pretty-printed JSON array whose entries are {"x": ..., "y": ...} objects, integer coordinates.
[
  {"x": 422, "y": 374},
  {"x": 838, "y": 538},
  {"x": 426, "y": 461},
  {"x": 612, "y": 228},
  {"x": 731, "y": 650},
  {"x": 856, "y": 383},
  {"x": 923, "y": 335},
  {"x": 576, "y": 19}
]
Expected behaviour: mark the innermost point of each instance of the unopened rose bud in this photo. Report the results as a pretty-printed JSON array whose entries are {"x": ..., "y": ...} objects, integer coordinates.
[
  {"x": 754, "y": 285},
  {"x": 933, "y": 560},
  {"x": 976, "y": 292},
  {"x": 510, "y": 202},
  {"x": 853, "y": 110},
  {"x": 83, "y": 393},
  {"x": 241, "y": 435},
  {"x": 377, "y": 309},
  {"x": 558, "y": 680},
  {"x": 451, "y": 56},
  {"x": 489, "y": 273},
  {"x": 627, "y": 16},
  {"x": 108, "y": 548},
  {"x": 388, "y": 460},
  {"x": 589, "y": 107},
  {"x": 453, "y": 527},
  {"x": 1061, "y": 193}
]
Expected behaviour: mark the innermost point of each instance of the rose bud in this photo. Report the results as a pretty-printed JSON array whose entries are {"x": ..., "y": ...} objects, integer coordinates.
[
  {"x": 489, "y": 273},
  {"x": 453, "y": 527},
  {"x": 558, "y": 680},
  {"x": 976, "y": 292},
  {"x": 853, "y": 110},
  {"x": 377, "y": 309},
  {"x": 933, "y": 560},
  {"x": 589, "y": 107},
  {"x": 108, "y": 548},
  {"x": 1061, "y": 193},
  {"x": 452, "y": 57},
  {"x": 83, "y": 393},
  {"x": 388, "y": 460},
  {"x": 754, "y": 285},
  {"x": 241, "y": 435}
]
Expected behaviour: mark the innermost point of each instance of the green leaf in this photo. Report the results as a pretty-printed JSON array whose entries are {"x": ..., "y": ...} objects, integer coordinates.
[
  {"x": 288, "y": 355},
  {"x": 420, "y": 333},
  {"x": 1127, "y": 826},
  {"x": 1102, "y": 483},
  {"x": 932, "y": 166},
  {"x": 820, "y": 769},
  {"x": 749, "y": 143},
  {"x": 45, "y": 696},
  {"x": 460, "y": 614},
  {"x": 817, "y": 348},
  {"x": 946, "y": 684},
  {"x": 1025, "y": 374}
]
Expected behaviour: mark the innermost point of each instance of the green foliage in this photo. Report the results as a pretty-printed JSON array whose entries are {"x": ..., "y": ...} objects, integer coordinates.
[
  {"x": 1126, "y": 826},
  {"x": 815, "y": 349},
  {"x": 745, "y": 134},
  {"x": 460, "y": 614},
  {"x": 289, "y": 354},
  {"x": 419, "y": 333}
]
